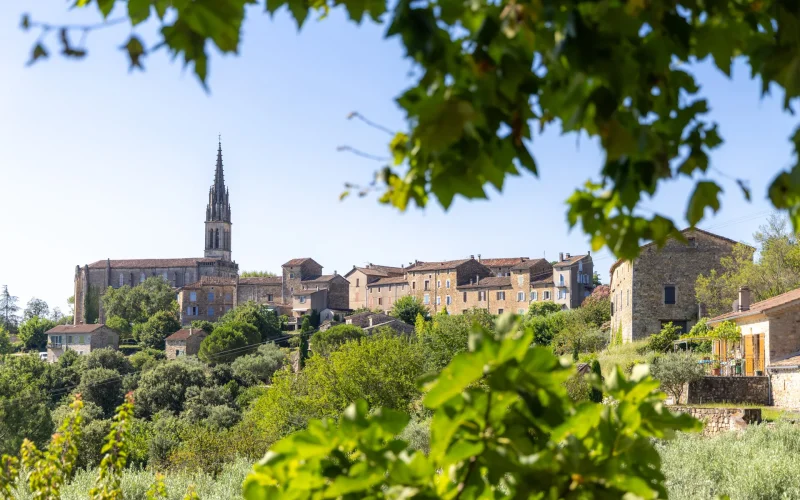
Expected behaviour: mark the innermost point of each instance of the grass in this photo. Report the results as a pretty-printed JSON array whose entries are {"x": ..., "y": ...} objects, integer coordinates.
[
  {"x": 623, "y": 355},
  {"x": 768, "y": 413},
  {"x": 759, "y": 463}
]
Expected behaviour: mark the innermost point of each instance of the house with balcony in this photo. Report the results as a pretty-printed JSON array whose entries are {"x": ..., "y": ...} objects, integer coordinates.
[{"x": 81, "y": 338}]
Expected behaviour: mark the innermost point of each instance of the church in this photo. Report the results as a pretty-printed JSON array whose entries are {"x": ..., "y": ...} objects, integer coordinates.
[{"x": 209, "y": 286}]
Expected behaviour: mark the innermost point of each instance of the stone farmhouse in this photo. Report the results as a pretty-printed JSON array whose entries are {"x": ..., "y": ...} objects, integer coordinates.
[
  {"x": 659, "y": 286},
  {"x": 184, "y": 342},
  {"x": 82, "y": 339},
  {"x": 497, "y": 285}
]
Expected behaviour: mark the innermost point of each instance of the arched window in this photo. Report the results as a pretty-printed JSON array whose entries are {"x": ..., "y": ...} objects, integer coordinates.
[
  {"x": 210, "y": 238},
  {"x": 216, "y": 239}
]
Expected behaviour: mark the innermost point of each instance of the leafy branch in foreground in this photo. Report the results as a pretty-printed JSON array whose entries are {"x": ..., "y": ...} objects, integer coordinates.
[
  {"x": 503, "y": 427},
  {"x": 491, "y": 73}
]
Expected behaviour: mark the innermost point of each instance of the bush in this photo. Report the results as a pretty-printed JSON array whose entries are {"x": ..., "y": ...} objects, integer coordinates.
[
  {"x": 324, "y": 343},
  {"x": 259, "y": 367},
  {"x": 675, "y": 369},
  {"x": 662, "y": 341},
  {"x": 109, "y": 359},
  {"x": 228, "y": 342},
  {"x": 146, "y": 359},
  {"x": 446, "y": 336},
  {"x": 102, "y": 387},
  {"x": 164, "y": 387},
  {"x": 261, "y": 317},
  {"x": 407, "y": 308},
  {"x": 543, "y": 308},
  {"x": 157, "y": 328}
]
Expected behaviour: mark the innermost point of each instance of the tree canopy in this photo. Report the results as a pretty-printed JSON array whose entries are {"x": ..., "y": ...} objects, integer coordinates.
[
  {"x": 407, "y": 308},
  {"x": 489, "y": 74},
  {"x": 137, "y": 304}
]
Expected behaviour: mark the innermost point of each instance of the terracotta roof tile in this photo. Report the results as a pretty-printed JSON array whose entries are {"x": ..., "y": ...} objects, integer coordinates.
[
  {"x": 762, "y": 306},
  {"x": 210, "y": 281},
  {"x": 791, "y": 360},
  {"x": 542, "y": 279},
  {"x": 490, "y": 282},
  {"x": 503, "y": 262},
  {"x": 298, "y": 262},
  {"x": 433, "y": 266},
  {"x": 527, "y": 264},
  {"x": 261, "y": 280},
  {"x": 150, "y": 263},
  {"x": 76, "y": 328},
  {"x": 394, "y": 280},
  {"x": 305, "y": 292},
  {"x": 321, "y": 279},
  {"x": 185, "y": 333},
  {"x": 568, "y": 262}
]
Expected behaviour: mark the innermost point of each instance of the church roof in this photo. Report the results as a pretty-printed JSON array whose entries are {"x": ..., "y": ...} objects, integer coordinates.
[
  {"x": 261, "y": 280},
  {"x": 210, "y": 281},
  {"x": 150, "y": 263}
]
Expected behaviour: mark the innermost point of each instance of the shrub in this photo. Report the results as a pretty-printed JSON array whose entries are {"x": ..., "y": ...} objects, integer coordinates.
[
  {"x": 228, "y": 342},
  {"x": 158, "y": 327},
  {"x": 259, "y": 367},
  {"x": 260, "y": 316},
  {"x": 109, "y": 359},
  {"x": 407, "y": 308},
  {"x": 324, "y": 343},
  {"x": 543, "y": 308},
  {"x": 675, "y": 369},
  {"x": 164, "y": 387},
  {"x": 663, "y": 340},
  {"x": 102, "y": 387}
]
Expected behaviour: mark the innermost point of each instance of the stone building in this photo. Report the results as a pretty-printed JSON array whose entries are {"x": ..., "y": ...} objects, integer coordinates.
[
  {"x": 502, "y": 266},
  {"x": 434, "y": 283},
  {"x": 328, "y": 295},
  {"x": 82, "y": 339},
  {"x": 383, "y": 293},
  {"x": 207, "y": 299},
  {"x": 526, "y": 282},
  {"x": 659, "y": 286},
  {"x": 572, "y": 275},
  {"x": 92, "y": 280},
  {"x": 184, "y": 342},
  {"x": 360, "y": 277}
]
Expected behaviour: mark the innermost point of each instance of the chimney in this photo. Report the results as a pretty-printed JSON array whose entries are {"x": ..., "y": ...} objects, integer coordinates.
[
  {"x": 744, "y": 298},
  {"x": 567, "y": 256},
  {"x": 470, "y": 281},
  {"x": 560, "y": 256},
  {"x": 335, "y": 273},
  {"x": 477, "y": 278},
  {"x": 471, "y": 256},
  {"x": 588, "y": 252},
  {"x": 479, "y": 257}
]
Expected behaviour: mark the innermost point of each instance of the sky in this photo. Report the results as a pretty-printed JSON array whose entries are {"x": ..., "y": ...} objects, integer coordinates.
[{"x": 98, "y": 162}]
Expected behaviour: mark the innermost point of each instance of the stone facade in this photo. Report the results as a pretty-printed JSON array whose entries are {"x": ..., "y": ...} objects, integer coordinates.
[
  {"x": 736, "y": 390},
  {"x": 82, "y": 339},
  {"x": 361, "y": 277},
  {"x": 184, "y": 342},
  {"x": 295, "y": 271},
  {"x": 383, "y": 293},
  {"x": 785, "y": 385},
  {"x": 640, "y": 290},
  {"x": 433, "y": 282},
  {"x": 207, "y": 299},
  {"x": 573, "y": 278},
  {"x": 720, "y": 420}
]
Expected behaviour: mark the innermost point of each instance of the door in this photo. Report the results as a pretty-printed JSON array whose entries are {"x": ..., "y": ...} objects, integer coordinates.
[
  {"x": 749, "y": 364},
  {"x": 759, "y": 342}
]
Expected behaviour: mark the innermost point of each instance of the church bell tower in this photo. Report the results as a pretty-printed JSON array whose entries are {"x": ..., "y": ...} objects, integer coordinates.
[{"x": 218, "y": 216}]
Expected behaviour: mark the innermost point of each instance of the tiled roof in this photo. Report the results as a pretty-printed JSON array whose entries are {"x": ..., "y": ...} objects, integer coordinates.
[
  {"x": 367, "y": 271},
  {"x": 791, "y": 360},
  {"x": 504, "y": 262},
  {"x": 261, "y": 280},
  {"x": 433, "y": 266},
  {"x": 527, "y": 264},
  {"x": 568, "y": 262},
  {"x": 298, "y": 262},
  {"x": 210, "y": 281},
  {"x": 490, "y": 282},
  {"x": 362, "y": 319},
  {"x": 542, "y": 279},
  {"x": 150, "y": 263},
  {"x": 321, "y": 279},
  {"x": 76, "y": 328},
  {"x": 394, "y": 280},
  {"x": 707, "y": 233},
  {"x": 306, "y": 292},
  {"x": 186, "y": 333},
  {"x": 760, "y": 307}
]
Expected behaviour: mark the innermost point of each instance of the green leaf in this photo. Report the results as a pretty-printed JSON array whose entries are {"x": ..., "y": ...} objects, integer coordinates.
[
  {"x": 706, "y": 194},
  {"x": 299, "y": 10},
  {"x": 463, "y": 370},
  {"x": 135, "y": 51},
  {"x": 139, "y": 11},
  {"x": 39, "y": 52},
  {"x": 105, "y": 7}
]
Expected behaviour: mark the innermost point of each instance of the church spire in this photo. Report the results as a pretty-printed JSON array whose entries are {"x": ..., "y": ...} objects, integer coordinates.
[
  {"x": 218, "y": 215},
  {"x": 219, "y": 174}
]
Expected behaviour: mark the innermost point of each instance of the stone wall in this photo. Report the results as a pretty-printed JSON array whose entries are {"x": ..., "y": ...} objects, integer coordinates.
[
  {"x": 719, "y": 420},
  {"x": 737, "y": 390},
  {"x": 785, "y": 388}
]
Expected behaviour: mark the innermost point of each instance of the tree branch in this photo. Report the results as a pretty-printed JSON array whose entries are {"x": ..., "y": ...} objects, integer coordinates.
[
  {"x": 362, "y": 154},
  {"x": 356, "y": 114}
]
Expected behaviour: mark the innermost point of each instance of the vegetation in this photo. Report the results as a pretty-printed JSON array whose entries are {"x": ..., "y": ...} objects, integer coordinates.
[
  {"x": 257, "y": 274},
  {"x": 32, "y": 332},
  {"x": 675, "y": 369},
  {"x": 662, "y": 341},
  {"x": 407, "y": 309},
  {"x": 264, "y": 319},
  {"x": 153, "y": 332},
  {"x": 139, "y": 303},
  {"x": 8, "y": 309},
  {"x": 776, "y": 270},
  {"x": 325, "y": 342},
  {"x": 229, "y": 341}
]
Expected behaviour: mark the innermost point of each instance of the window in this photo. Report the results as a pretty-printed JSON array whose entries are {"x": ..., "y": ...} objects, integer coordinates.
[
  {"x": 520, "y": 296},
  {"x": 379, "y": 289},
  {"x": 413, "y": 285},
  {"x": 370, "y": 290},
  {"x": 69, "y": 339},
  {"x": 438, "y": 301},
  {"x": 390, "y": 288},
  {"x": 55, "y": 340},
  {"x": 211, "y": 311},
  {"x": 580, "y": 265},
  {"x": 692, "y": 242},
  {"x": 520, "y": 279},
  {"x": 141, "y": 277},
  {"x": 357, "y": 282},
  {"x": 380, "y": 301},
  {"x": 447, "y": 300},
  {"x": 269, "y": 297},
  {"x": 189, "y": 311},
  {"x": 499, "y": 311},
  {"x": 546, "y": 295},
  {"x": 427, "y": 285},
  {"x": 211, "y": 296},
  {"x": 669, "y": 294},
  {"x": 227, "y": 297},
  {"x": 178, "y": 352},
  {"x": 561, "y": 279},
  {"x": 166, "y": 276},
  {"x": 81, "y": 339},
  {"x": 426, "y": 299},
  {"x": 291, "y": 276},
  {"x": 482, "y": 295},
  {"x": 465, "y": 296},
  {"x": 192, "y": 296},
  {"x": 534, "y": 295},
  {"x": 501, "y": 295},
  {"x": 121, "y": 279},
  {"x": 447, "y": 284},
  {"x": 438, "y": 283},
  {"x": 612, "y": 308},
  {"x": 520, "y": 311},
  {"x": 302, "y": 299}
]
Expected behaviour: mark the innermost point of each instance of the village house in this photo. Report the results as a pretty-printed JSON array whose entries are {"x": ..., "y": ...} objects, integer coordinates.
[
  {"x": 360, "y": 277},
  {"x": 184, "y": 342},
  {"x": 527, "y": 281},
  {"x": 370, "y": 321},
  {"x": 81, "y": 338},
  {"x": 573, "y": 278},
  {"x": 659, "y": 286}
]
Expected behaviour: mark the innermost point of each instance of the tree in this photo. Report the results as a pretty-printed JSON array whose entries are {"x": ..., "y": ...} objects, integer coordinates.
[
  {"x": 675, "y": 369},
  {"x": 305, "y": 326},
  {"x": 137, "y": 304},
  {"x": 228, "y": 342},
  {"x": 32, "y": 332},
  {"x": 619, "y": 75},
  {"x": 264, "y": 319},
  {"x": 102, "y": 387},
  {"x": 5, "y": 341},
  {"x": 206, "y": 326},
  {"x": 325, "y": 342},
  {"x": 160, "y": 326},
  {"x": 260, "y": 366},
  {"x": 406, "y": 309},
  {"x": 663, "y": 340},
  {"x": 597, "y": 392},
  {"x": 164, "y": 387},
  {"x": 36, "y": 307},
  {"x": 596, "y": 281},
  {"x": 56, "y": 315},
  {"x": 109, "y": 359},
  {"x": 71, "y": 304},
  {"x": 486, "y": 404},
  {"x": 119, "y": 325},
  {"x": 8, "y": 309},
  {"x": 257, "y": 274},
  {"x": 543, "y": 308},
  {"x": 446, "y": 336},
  {"x": 776, "y": 271}
]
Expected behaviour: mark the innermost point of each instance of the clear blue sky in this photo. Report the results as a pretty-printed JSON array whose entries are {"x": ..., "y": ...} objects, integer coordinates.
[{"x": 98, "y": 163}]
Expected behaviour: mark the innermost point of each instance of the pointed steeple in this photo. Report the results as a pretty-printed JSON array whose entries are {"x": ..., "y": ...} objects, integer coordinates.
[
  {"x": 219, "y": 174},
  {"x": 219, "y": 208}
]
